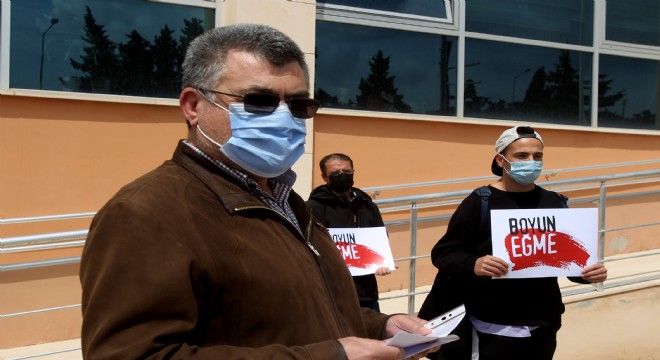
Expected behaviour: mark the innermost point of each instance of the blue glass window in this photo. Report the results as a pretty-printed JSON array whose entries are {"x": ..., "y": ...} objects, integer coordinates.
[
  {"x": 121, "y": 47},
  {"x": 377, "y": 69},
  {"x": 563, "y": 21},
  {"x": 629, "y": 99},
  {"x": 531, "y": 83},
  {"x": 633, "y": 21},
  {"x": 431, "y": 8}
]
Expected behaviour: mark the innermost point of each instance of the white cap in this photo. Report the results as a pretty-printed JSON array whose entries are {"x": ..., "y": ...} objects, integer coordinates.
[
  {"x": 513, "y": 134},
  {"x": 507, "y": 138}
]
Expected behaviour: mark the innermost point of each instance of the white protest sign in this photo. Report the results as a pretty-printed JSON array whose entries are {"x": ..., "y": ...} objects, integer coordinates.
[
  {"x": 545, "y": 242},
  {"x": 364, "y": 249}
]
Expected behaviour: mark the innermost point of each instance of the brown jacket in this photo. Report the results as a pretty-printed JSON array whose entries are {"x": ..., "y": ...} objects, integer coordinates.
[{"x": 184, "y": 263}]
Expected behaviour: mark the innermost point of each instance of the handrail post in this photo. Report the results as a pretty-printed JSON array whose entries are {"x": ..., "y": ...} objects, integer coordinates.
[
  {"x": 413, "y": 260},
  {"x": 602, "y": 202}
]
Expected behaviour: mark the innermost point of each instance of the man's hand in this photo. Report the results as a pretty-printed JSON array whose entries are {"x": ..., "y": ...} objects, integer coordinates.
[
  {"x": 594, "y": 273},
  {"x": 490, "y": 266},
  {"x": 366, "y": 349},
  {"x": 382, "y": 271},
  {"x": 411, "y": 324}
]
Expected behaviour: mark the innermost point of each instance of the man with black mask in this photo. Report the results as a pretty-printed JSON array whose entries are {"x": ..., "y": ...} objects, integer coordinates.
[{"x": 338, "y": 204}]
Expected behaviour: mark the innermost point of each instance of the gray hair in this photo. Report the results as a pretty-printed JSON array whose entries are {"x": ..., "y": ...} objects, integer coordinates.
[{"x": 204, "y": 62}]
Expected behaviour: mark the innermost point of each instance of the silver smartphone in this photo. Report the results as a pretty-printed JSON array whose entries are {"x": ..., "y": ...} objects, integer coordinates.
[{"x": 457, "y": 312}]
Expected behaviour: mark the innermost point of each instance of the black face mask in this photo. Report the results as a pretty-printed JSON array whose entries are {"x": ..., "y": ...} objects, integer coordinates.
[{"x": 340, "y": 183}]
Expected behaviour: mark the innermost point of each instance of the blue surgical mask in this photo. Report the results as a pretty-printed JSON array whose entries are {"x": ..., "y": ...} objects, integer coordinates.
[
  {"x": 524, "y": 172},
  {"x": 265, "y": 145}
]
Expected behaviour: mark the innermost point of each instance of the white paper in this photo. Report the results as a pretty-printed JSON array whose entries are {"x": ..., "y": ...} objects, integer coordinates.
[
  {"x": 545, "y": 242},
  {"x": 364, "y": 250}
]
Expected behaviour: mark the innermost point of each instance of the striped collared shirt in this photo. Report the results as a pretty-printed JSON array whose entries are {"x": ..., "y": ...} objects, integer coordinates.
[{"x": 281, "y": 187}]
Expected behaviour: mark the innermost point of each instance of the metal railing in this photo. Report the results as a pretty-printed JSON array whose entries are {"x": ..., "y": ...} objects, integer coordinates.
[
  {"x": 375, "y": 191},
  {"x": 412, "y": 204}
]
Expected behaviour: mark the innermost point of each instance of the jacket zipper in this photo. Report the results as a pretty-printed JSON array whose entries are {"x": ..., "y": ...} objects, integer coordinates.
[{"x": 325, "y": 282}]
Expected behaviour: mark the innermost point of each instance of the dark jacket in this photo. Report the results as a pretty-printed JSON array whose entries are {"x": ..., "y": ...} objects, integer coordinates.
[
  {"x": 334, "y": 211},
  {"x": 185, "y": 263}
]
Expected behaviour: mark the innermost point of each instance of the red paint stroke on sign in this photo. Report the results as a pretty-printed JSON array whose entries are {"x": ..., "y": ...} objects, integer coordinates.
[
  {"x": 536, "y": 248},
  {"x": 359, "y": 256}
]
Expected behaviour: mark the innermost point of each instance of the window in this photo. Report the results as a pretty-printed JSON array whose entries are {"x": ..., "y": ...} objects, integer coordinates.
[
  {"x": 525, "y": 60},
  {"x": 628, "y": 99},
  {"x": 370, "y": 53},
  {"x": 633, "y": 21},
  {"x": 563, "y": 21},
  {"x": 85, "y": 46},
  {"x": 426, "y": 8},
  {"x": 377, "y": 69},
  {"x": 537, "y": 84},
  {"x": 416, "y": 15}
]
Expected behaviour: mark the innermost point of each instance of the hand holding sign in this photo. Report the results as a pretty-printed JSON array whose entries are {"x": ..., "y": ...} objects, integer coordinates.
[
  {"x": 490, "y": 265},
  {"x": 364, "y": 250}
]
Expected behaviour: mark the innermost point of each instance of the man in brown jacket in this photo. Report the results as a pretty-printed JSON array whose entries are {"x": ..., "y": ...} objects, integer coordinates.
[{"x": 212, "y": 255}]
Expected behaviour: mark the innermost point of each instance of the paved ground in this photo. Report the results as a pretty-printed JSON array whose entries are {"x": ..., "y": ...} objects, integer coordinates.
[{"x": 594, "y": 324}]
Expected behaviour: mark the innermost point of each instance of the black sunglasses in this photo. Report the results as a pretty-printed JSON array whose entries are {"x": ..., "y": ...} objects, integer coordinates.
[{"x": 262, "y": 103}]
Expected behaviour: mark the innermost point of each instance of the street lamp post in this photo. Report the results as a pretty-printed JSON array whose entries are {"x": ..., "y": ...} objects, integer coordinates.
[
  {"x": 513, "y": 91},
  {"x": 53, "y": 21}
]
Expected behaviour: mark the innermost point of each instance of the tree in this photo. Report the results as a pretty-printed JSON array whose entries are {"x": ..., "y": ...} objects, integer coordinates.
[
  {"x": 474, "y": 104},
  {"x": 536, "y": 92},
  {"x": 99, "y": 61},
  {"x": 604, "y": 86},
  {"x": 377, "y": 92},
  {"x": 135, "y": 66},
  {"x": 563, "y": 87},
  {"x": 326, "y": 99},
  {"x": 563, "y": 81},
  {"x": 166, "y": 77},
  {"x": 191, "y": 29}
]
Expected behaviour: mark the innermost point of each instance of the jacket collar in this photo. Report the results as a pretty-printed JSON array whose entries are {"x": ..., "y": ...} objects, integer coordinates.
[
  {"x": 323, "y": 193},
  {"x": 229, "y": 190}
]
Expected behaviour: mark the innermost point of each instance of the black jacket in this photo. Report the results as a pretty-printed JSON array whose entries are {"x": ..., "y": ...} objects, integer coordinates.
[{"x": 334, "y": 211}]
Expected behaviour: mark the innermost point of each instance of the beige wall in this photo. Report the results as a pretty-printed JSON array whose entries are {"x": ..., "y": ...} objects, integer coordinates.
[
  {"x": 69, "y": 156},
  {"x": 390, "y": 150}
]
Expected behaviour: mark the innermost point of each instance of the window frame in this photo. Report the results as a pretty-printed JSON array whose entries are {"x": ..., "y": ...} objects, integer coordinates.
[
  {"x": 613, "y": 47},
  {"x": 5, "y": 47},
  {"x": 388, "y": 19},
  {"x": 210, "y": 4},
  {"x": 600, "y": 45}
]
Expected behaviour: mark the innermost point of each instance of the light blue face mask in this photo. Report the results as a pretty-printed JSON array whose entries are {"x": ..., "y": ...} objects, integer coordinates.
[
  {"x": 265, "y": 145},
  {"x": 524, "y": 172}
]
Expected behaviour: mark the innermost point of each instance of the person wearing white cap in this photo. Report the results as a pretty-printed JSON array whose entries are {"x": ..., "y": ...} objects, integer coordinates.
[{"x": 511, "y": 318}]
